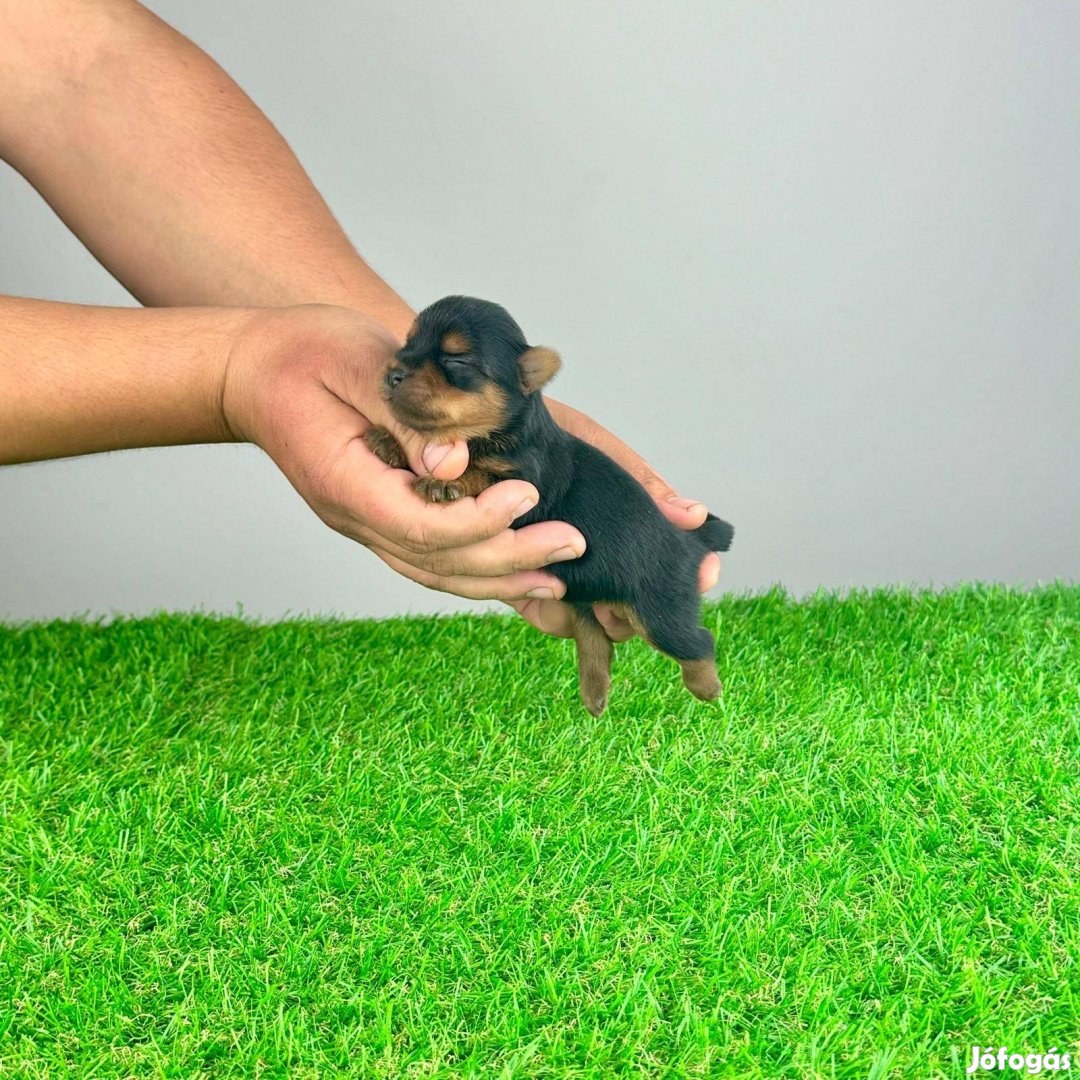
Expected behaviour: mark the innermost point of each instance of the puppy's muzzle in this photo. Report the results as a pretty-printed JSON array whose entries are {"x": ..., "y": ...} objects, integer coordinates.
[{"x": 409, "y": 399}]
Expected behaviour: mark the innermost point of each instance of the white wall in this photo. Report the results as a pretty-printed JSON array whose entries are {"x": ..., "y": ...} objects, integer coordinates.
[{"x": 820, "y": 263}]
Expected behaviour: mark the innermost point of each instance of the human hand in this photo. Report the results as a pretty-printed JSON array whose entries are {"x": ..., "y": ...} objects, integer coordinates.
[
  {"x": 555, "y": 617},
  {"x": 303, "y": 382}
]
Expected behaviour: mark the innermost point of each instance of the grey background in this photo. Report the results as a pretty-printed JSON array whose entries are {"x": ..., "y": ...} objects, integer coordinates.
[{"x": 819, "y": 263}]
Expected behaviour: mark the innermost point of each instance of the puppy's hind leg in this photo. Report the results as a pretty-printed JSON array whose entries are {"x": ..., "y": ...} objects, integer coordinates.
[
  {"x": 594, "y": 652},
  {"x": 674, "y": 630},
  {"x": 700, "y": 678}
]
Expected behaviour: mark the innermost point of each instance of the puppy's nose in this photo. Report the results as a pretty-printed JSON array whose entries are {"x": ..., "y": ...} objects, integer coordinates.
[{"x": 394, "y": 376}]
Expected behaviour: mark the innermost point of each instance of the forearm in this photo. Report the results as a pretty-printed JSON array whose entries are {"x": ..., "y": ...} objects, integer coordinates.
[
  {"x": 79, "y": 380},
  {"x": 181, "y": 186},
  {"x": 165, "y": 168}
]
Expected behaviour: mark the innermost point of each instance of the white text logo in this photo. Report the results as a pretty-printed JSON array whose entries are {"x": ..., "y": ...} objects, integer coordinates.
[{"x": 987, "y": 1059}]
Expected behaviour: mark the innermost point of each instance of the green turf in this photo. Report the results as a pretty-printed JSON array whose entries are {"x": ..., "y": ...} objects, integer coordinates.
[{"x": 404, "y": 849}]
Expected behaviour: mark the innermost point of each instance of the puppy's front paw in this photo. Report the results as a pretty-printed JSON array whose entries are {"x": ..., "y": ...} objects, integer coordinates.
[
  {"x": 385, "y": 447},
  {"x": 438, "y": 491}
]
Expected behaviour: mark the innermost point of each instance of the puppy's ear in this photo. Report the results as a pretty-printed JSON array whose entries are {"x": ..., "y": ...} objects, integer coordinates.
[{"x": 537, "y": 367}]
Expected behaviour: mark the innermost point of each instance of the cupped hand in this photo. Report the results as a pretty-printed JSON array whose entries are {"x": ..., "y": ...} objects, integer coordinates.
[
  {"x": 303, "y": 384},
  {"x": 553, "y": 616}
]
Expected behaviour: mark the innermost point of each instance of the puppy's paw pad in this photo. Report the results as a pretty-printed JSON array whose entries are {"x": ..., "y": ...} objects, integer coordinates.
[
  {"x": 438, "y": 491},
  {"x": 385, "y": 447}
]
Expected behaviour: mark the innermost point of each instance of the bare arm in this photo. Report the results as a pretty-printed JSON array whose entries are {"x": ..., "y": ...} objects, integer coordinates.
[
  {"x": 296, "y": 381},
  {"x": 188, "y": 195},
  {"x": 165, "y": 169},
  {"x": 177, "y": 182},
  {"x": 78, "y": 380}
]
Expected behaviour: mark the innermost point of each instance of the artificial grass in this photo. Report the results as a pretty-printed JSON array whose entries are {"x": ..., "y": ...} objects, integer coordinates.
[{"x": 404, "y": 849}]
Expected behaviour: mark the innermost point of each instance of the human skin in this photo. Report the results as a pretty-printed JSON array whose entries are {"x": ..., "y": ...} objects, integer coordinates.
[
  {"x": 187, "y": 194},
  {"x": 79, "y": 380}
]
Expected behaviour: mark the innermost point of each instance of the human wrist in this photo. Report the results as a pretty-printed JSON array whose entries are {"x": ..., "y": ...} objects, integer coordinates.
[
  {"x": 278, "y": 355},
  {"x": 160, "y": 381}
]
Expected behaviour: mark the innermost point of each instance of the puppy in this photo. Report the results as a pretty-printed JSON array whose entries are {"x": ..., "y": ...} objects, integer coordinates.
[{"x": 467, "y": 372}]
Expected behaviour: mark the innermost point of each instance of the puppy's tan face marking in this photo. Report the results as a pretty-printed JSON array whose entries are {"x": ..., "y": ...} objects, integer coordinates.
[
  {"x": 455, "y": 343},
  {"x": 473, "y": 415},
  {"x": 458, "y": 374},
  {"x": 426, "y": 402}
]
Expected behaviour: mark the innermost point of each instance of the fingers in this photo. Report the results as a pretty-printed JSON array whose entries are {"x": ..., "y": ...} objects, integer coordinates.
[
  {"x": 548, "y": 616},
  {"x": 709, "y": 572},
  {"x": 426, "y": 526},
  {"x": 683, "y": 513},
  {"x": 446, "y": 461},
  {"x": 509, "y": 552},
  {"x": 516, "y": 587},
  {"x": 382, "y": 500},
  {"x": 615, "y": 626},
  {"x": 431, "y": 544}
]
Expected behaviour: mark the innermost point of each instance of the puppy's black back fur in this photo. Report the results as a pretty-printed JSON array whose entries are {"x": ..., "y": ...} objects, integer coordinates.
[{"x": 634, "y": 555}]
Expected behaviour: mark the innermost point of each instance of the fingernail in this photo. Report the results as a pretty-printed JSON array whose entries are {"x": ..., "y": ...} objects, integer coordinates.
[
  {"x": 434, "y": 455},
  {"x": 683, "y": 504},
  {"x": 524, "y": 508},
  {"x": 542, "y": 593},
  {"x": 562, "y": 555}
]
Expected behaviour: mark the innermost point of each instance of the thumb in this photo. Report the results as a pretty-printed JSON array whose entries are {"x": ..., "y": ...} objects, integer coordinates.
[
  {"x": 446, "y": 461},
  {"x": 681, "y": 512}
]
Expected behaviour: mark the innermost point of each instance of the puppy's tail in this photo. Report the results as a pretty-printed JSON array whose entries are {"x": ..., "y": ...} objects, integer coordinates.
[{"x": 715, "y": 534}]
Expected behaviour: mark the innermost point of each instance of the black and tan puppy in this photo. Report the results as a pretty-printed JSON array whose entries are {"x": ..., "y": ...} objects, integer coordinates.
[{"x": 467, "y": 372}]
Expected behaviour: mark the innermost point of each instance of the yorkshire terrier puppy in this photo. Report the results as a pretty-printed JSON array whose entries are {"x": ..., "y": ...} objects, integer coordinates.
[{"x": 467, "y": 372}]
